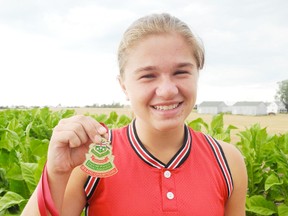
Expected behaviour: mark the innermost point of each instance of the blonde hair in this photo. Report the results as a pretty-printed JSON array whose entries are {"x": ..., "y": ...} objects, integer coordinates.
[{"x": 157, "y": 24}]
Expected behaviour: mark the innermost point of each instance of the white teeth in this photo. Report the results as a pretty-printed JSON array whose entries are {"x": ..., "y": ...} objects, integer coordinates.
[{"x": 166, "y": 107}]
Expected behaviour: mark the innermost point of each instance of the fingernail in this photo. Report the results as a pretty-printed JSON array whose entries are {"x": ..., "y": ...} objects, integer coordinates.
[{"x": 102, "y": 130}]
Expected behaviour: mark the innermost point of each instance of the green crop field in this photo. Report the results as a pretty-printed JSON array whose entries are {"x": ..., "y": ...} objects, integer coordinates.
[
  {"x": 275, "y": 124},
  {"x": 263, "y": 141}
]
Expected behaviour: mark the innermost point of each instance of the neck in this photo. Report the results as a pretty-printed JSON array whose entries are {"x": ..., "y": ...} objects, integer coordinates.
[{"x": 162, "y": 144}]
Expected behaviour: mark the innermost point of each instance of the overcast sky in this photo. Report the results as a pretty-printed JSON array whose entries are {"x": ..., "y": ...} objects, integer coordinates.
[{"x": 64, "y": 51}]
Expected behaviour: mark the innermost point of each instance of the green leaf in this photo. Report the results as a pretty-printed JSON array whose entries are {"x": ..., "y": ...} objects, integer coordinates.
[
  {"x": 39, "y": 147},
  {"x": 27, "y": 130},
  {"x": 28, "y": 170},
  {"x": 217, "y": 124},
  {"x": 221, "y": 136},
  {"x": 282, "y": 210},
  {"x": 101, "y": 118},
  {"x": 4, "y": 158},
  {"x": 10, "y": 199},
  {"x": 19, "y": 187},
  {"x": 197, "y": 124},
  {"x": 112, "y": 119},
  {"x": 271, "y": 181},
  {"x": 4, "y": 184},
  {"x": 14, "y": 172},
  {"x": 8, "y": 139},
  {"x": 231, "y": 127},
  {"x": 123, "y": 120},
  {"x": 66, "y": 113},
  {"x": 259, "y": 205}
]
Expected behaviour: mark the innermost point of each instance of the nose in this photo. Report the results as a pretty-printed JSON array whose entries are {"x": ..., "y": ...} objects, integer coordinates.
[{"x": 166, "y": 88}]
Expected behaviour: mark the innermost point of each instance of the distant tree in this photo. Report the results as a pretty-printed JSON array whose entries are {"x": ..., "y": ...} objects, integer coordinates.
[
  {"x": 282, "y": 93},
  {"x": 113, "y": 105}
]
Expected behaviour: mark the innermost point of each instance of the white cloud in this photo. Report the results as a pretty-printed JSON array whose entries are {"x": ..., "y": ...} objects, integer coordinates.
[
  {"x": 85, "y": 22},
  {"x": 64, "y": 52}
]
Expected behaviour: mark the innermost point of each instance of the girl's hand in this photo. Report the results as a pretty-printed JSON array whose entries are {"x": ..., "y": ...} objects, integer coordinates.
[{"x": 70, "y": 142}]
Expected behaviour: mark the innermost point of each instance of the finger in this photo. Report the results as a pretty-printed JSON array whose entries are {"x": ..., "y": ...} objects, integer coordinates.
[
  {"x": 101, "y": 129},
  {"x": 78, "y": 129},
  {"x": 93, "y": 128},
  {"x": 65, "y": 138}
]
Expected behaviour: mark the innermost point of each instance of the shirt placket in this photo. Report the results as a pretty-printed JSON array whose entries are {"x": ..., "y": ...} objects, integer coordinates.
[{"x": 169, "y": 199}]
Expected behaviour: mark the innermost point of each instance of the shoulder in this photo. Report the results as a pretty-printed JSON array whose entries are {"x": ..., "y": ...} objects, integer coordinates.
[
  {"x": 235, "y": 160},
  {"x": 231, "y": 153}
]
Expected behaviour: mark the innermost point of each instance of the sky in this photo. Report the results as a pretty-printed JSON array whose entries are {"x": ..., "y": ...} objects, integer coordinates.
[{"x": 64, "y": 52}]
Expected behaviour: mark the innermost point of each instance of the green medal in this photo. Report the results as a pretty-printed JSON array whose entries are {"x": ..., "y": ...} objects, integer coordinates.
[{"x": 99, "y": 160}]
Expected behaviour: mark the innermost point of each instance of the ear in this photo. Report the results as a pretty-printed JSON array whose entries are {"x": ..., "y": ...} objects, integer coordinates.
[{"x": 123, "y": 87}]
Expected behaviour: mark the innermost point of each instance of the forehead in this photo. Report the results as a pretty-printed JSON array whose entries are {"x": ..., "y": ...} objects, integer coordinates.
[
  {"x": 159, "y": 50},
  {"x": 158, "y": 39}
]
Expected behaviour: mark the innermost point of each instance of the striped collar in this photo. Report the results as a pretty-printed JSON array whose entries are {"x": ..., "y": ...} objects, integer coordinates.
[{"x": 148, "y": 158}]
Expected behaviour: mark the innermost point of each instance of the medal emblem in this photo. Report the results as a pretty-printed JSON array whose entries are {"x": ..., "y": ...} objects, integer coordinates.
[{"x": 99, "y": 160}]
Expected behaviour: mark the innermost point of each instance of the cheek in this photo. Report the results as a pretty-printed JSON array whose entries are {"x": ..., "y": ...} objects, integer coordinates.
[
  {"x": 139, "y": 94},
  {"x": 188, "y": 87}
]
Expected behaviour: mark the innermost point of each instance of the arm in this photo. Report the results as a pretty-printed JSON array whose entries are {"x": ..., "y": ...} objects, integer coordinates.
[
  {"x": 235, "y": 205},
  {"x": 75, "y": 195},
  {"x": 68, "y": 145}
]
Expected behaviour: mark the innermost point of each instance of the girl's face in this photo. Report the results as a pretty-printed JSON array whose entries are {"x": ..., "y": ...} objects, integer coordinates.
[{"x": 160, "y": 80}]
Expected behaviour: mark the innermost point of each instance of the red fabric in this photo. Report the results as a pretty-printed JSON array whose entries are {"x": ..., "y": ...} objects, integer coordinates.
[
  {"x": 40, "y": 198},
  {"x": 45, "y": 201},
  {"x": 197, "y": 187}
]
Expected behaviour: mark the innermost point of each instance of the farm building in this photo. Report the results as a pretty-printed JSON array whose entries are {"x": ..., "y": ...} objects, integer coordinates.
[
  {"x": 275, "y": 107},
  {"x": 272, "y": 108},
  {"x": 212, "y": 107},
  {"x": 249, "y": 108}
]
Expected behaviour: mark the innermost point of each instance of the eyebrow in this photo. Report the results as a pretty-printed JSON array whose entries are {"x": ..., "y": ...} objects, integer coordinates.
[
  {"x": 146, "y": 68},
  {"x": 185, "y": 64},
  {"x": 153, "y": 68}
]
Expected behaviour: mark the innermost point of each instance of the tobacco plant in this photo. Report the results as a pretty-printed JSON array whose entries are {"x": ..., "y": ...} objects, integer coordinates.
[
  {"x": 25, "y": 134},
  {"x": 24, "y": 138},
  {"x": 266, "y": 158}
]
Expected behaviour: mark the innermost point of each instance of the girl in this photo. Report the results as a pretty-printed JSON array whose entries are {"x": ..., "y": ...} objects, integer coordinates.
[{"x": 163, "y": 166}]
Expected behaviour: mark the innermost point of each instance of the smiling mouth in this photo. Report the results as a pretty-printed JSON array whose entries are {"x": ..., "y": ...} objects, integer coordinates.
[{"x": 169, "y": 107}]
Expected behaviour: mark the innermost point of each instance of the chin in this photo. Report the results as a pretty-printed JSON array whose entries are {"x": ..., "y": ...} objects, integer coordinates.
[{"x": 168, "y": 125}]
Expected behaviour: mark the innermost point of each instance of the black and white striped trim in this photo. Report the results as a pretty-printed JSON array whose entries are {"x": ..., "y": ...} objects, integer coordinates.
[
  {"x": 222, "y": 162},
  {"x": 148, "y": 158}
]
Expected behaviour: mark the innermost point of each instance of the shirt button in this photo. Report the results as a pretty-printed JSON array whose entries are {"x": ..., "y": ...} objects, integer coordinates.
[
  {"x": 167, "y": 174},
  {"x": 170, "y": 195}
]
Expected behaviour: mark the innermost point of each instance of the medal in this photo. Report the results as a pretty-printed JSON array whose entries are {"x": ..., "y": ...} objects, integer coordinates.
[{"x": 99, "y": 160}]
